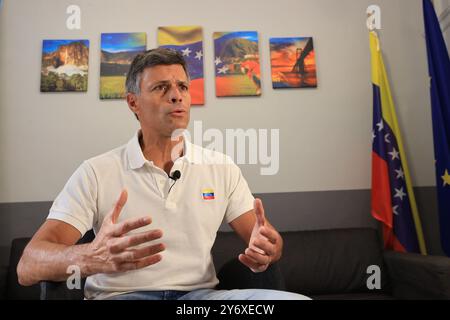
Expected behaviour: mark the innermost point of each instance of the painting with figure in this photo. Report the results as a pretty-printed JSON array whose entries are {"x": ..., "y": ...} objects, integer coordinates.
[
  {"x": 236, "y": 63},
  {"x": 64, "y": 65},
  {"x": 188, "y": 40},
  {"x": 293, "y": 62},
  {"x": 117, "y": 52}
]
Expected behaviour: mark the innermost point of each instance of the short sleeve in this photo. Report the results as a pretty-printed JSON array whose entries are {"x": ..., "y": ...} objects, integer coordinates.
[
  {"x": 240, "y": 199},
  {"x": 76, "y": 204}
]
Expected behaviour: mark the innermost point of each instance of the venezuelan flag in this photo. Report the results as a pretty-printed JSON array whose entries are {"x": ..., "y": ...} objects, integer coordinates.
[
  {"x": 393, "y": 201},
  {"x": 188, "y": 40},
  {"x": 208, "y": 194}
]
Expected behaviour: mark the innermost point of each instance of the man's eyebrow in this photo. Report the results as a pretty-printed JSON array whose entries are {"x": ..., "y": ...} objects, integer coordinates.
[
  {"x": 182, "y": 82},
  {"x": 166, "y": 82},
  {"x": 160, "y": 82},
  {"x": 157, "y": 83}
]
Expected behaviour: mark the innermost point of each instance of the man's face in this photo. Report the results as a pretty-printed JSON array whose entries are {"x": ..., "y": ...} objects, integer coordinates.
[{"x": 164, "y": 103}]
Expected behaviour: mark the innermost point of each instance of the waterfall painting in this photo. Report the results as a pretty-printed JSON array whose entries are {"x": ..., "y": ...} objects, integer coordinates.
[{"x": 64, "y": 65}]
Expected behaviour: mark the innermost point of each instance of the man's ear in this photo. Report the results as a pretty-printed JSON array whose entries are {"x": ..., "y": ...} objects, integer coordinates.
[{"x": 132, "y": 103}]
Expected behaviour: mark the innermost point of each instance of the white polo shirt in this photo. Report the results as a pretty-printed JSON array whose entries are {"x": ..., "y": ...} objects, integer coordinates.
[{"x": 211, "y": 188}]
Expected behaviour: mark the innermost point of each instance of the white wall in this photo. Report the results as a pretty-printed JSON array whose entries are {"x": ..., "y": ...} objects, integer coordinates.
[{"x": 324, "y": 132}]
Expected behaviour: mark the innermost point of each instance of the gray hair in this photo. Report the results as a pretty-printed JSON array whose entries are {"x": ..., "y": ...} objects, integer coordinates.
[{"x": 151, "y": 58}]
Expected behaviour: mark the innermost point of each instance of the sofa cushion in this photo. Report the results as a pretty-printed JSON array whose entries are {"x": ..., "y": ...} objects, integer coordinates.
[
  {"x": 235, "y": 275},
  {"x": 331, "y": 261},
  {"x": 227, "y": 247},
  {"x": 314, "y": 262}
]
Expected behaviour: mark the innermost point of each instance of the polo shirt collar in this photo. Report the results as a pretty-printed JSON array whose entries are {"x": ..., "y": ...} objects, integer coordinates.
[{"x": 136, "y": 158}]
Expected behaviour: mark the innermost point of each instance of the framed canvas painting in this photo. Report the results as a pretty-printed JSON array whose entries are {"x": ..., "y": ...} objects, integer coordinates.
[
  {"x": 188, "y": 40},
  {"x": 293, "y": 63},
  {"x": 117, "y": 52},
  {"x": 65, "y": 65},
  {"x": 236, "y": 63}
]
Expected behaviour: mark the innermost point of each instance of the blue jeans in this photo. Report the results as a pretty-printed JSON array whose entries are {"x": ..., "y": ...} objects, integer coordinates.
[{"x": 211, "y": 294}]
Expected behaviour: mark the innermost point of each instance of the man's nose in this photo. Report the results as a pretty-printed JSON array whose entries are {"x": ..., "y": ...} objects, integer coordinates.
[{"x": 175, "y": 95}]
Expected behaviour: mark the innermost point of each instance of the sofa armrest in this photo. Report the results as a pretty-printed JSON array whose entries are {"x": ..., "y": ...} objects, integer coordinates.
[
  {"x": 53, "y": 290},
  {"x": 3, "y": 277},
  {"x": 414, "y": 276},
  {"x": 14, "y": 291}
]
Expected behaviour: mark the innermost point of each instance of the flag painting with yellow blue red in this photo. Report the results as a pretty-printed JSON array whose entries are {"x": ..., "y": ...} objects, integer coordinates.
[
  {"x": 208, "y": 194},
  {"x": 439, "y": 71},
  {"x": 188, "y": 40},
  {"x": 393, "y": 202}
]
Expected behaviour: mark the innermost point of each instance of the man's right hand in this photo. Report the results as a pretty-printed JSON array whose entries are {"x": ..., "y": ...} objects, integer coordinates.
[{"x": 114, "y": 250}]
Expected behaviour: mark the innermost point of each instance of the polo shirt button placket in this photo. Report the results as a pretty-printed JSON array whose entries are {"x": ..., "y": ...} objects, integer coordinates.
[{"x": 170, "y": 205}]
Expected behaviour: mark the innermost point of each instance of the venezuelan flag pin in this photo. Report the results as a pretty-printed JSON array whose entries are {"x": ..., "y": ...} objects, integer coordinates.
[{"x": 208, "y": 194}]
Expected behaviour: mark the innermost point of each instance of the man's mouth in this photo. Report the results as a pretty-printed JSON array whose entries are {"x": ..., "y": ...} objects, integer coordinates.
[{"x": 178, "y": 112}]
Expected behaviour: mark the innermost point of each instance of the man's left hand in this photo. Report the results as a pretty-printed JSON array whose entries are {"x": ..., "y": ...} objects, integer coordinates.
[{"x": 264, "y": 245}]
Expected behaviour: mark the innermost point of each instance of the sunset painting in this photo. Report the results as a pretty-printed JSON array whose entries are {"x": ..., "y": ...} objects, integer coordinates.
[
  {"x": 117, "y": 52},
  {"x": 188, "y": 40},
  {"x": 64, "y": 65},
  {"x": 293, "y": 63},
  {"x": 236, "y": 64}
]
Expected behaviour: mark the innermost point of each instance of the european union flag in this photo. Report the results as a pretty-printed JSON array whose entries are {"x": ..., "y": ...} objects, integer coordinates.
[{"x": 439, "y": 70}]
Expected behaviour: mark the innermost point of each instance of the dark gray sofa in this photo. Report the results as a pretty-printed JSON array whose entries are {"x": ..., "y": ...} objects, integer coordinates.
[{"x": 322, "y": 264}]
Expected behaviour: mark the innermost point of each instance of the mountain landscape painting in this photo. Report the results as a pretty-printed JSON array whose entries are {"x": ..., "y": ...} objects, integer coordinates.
[
  {"x": 293, "y": 63},
  {"x": 64, "y": 65},
  {"x": 188, "y": 40},
  {"x": 117, "y": 52},
  {"x": 236, "y": 62}
]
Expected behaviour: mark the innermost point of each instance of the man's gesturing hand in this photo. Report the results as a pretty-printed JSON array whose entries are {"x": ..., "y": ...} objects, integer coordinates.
[
  {"x": 114, "y": 250},
  {"x": 265, "y": 243}
]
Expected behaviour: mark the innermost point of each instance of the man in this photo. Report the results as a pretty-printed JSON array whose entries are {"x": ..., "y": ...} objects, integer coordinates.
[{"x": 155, "y": 205}]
